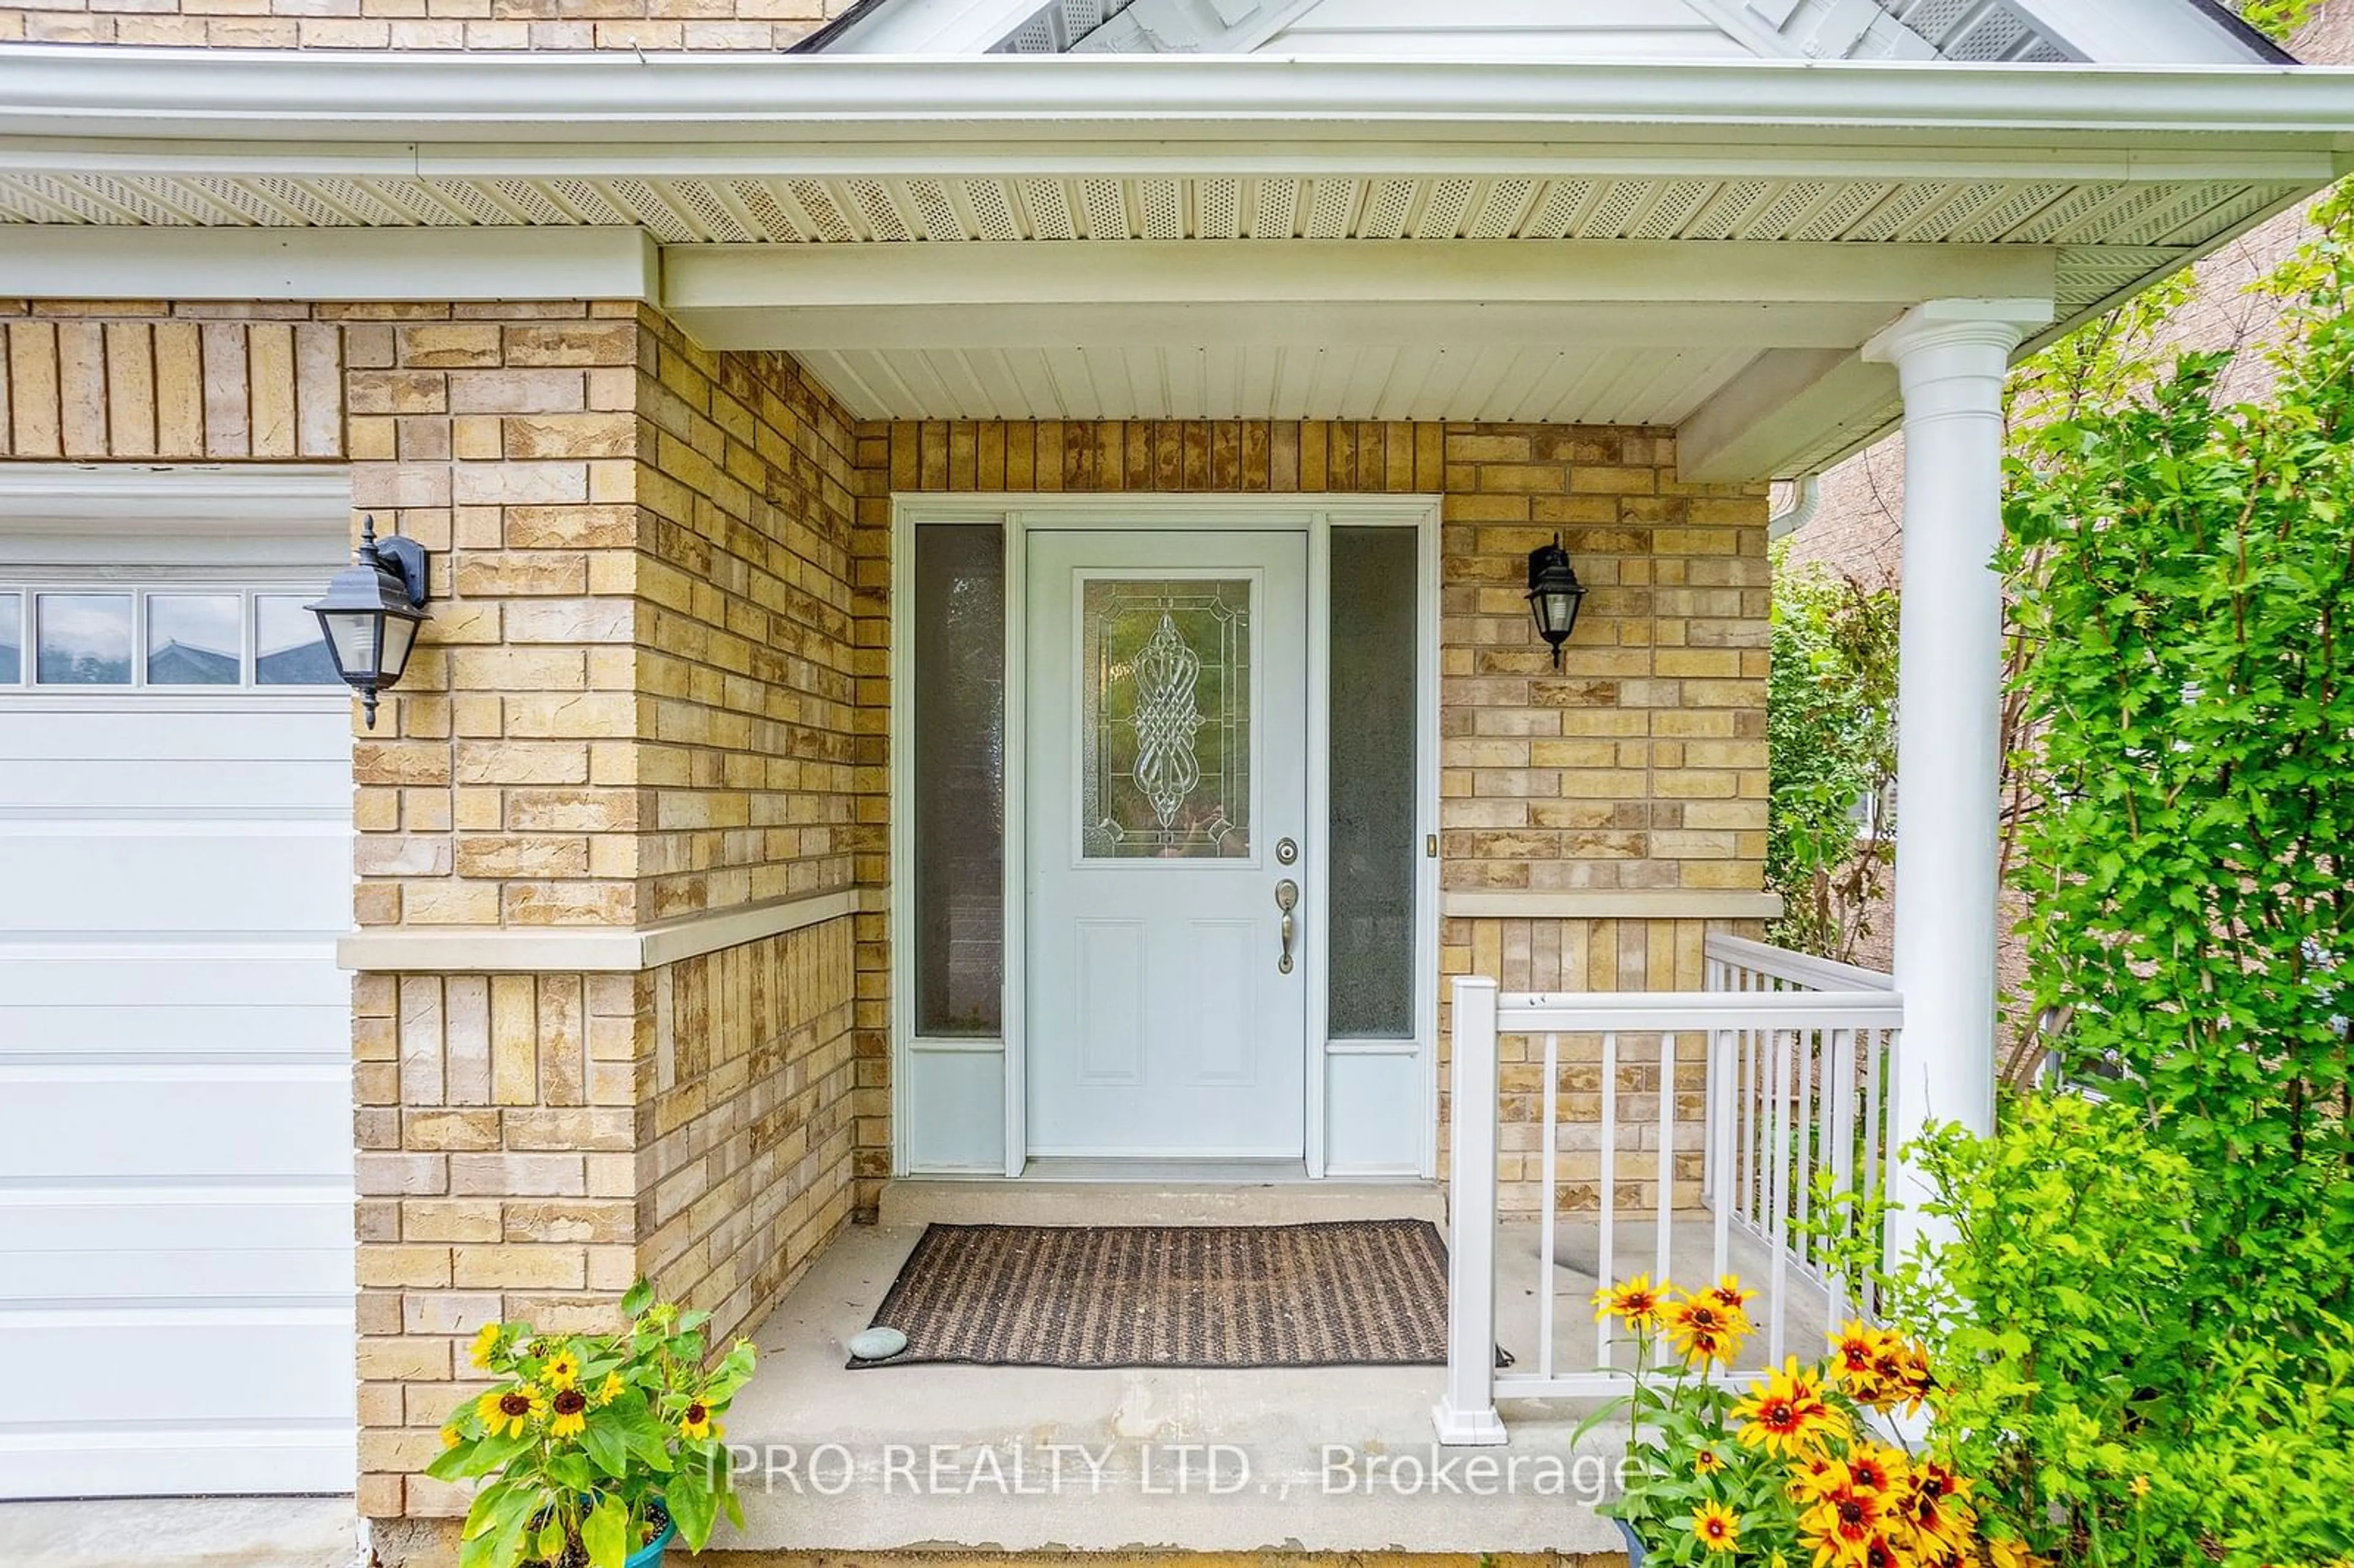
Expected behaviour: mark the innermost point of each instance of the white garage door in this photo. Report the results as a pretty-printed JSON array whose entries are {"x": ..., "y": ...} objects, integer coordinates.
[{"x": 176, "y": 1167}]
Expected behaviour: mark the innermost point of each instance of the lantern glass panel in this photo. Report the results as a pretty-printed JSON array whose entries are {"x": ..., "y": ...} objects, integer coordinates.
[
  {"x": 355, "y": 636},
  {"x": 399, "y": 636}
]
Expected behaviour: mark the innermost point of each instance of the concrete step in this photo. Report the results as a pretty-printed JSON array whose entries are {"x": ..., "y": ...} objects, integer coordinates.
[
  {"x": 182, "y": 1532},
  {"x": 1145, "y": 1200}
]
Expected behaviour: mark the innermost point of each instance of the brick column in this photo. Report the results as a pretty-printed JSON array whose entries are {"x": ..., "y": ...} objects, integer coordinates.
[{"x": 639, "y": 704}]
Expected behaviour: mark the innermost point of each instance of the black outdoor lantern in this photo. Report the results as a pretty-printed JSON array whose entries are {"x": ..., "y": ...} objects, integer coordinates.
[
  {"x": 1555, "y": 593},
  {"x": 372, "y": 611}
]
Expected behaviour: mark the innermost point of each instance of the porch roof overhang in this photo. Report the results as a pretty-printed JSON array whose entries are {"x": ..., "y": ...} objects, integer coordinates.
[{"x": 1704, "y": 246}]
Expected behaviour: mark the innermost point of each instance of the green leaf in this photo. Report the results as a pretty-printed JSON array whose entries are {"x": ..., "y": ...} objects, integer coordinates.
[
  {"x": 605, "y": 1533},
  {"x": 692, "y": 1506},
  {"x": 606, "y": 1443}
]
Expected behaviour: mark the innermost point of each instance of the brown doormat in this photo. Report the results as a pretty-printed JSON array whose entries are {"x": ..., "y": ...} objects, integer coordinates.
[{"x": 1337, "y": 1293}]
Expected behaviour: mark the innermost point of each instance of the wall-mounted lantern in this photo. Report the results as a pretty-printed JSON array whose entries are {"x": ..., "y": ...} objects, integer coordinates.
[
  {"x": 372, "y": 611},
  {"x": 1555, "y": 593}
]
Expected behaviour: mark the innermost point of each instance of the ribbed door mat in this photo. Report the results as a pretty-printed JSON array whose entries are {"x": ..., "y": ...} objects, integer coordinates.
[{"x": 1335, "y": 1293}]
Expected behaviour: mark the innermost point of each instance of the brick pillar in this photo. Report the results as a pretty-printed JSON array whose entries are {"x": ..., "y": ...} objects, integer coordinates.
[{"x": 639, "y": 701}]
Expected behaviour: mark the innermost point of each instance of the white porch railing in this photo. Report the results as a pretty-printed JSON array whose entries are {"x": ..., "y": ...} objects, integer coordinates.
[{"x": 1796, "y": 1051}]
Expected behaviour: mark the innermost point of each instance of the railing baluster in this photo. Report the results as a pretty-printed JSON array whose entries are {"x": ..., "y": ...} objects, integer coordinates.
[
  {"x": 1606, "y": 1262},
  {"x": 1549, "y": 1171},
  {"x": 1752, "y": 1107},
  {"x": 1874, "y": 1131},
  {"x": 1720, "y": 1130},
  {"x": 1666, "y": 1167},
  {"x": 1841, "y": 1135},
  {"x": 1777, "y": 1232},
  {"x": 1809, "y": 1053},
  {"x": 1711, "y": 1168}
]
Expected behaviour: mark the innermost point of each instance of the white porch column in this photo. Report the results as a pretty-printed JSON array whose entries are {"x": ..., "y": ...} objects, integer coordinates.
[{"x": 1950, "y": 358}]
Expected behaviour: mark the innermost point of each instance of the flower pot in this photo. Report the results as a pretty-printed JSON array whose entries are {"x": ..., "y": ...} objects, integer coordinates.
[
  {"x": 1634, "y": 1544},
  {"x": 650, "y": 1555}
]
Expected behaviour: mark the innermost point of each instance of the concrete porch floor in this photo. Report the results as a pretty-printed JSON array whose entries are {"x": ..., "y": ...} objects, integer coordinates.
[{"x": 1046, "y": 1460}]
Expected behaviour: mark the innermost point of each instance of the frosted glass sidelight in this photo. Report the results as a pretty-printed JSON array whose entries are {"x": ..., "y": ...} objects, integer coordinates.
[
  {"x": 960, "y": 783},
  {"x": 1164, "y": 725},
  {"x": 84, "y": 639},
  {"x": 1372, "y": 766},
  {"x": 193, "y": 639},
  {"x": 12, "y": 639}
]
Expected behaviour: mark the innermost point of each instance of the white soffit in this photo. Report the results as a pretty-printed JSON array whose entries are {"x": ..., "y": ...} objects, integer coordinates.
[{"x": 819, "y": 209}]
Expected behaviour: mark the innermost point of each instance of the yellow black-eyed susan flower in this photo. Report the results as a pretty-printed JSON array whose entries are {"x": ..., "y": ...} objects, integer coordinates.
[
  {"x": 1717, "y": 1527},
  {"x": 1786, "y": 1414},
  {"x": 1632, "y": 1302}
]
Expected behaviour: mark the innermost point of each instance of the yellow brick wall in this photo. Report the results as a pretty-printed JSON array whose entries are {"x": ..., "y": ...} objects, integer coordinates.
[
  {"x": 755, "y": 633},
  {"x": 641, "y": 701},
  {"x": 147, "y": 381},
  {"x": 530, "y": 1144},
  {"x": 518, "y": 25},
  {"x": 640, "y": 698}
]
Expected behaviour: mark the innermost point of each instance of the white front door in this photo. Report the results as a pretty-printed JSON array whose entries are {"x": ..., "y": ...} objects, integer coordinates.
[{"x": 1168, "y": 808}]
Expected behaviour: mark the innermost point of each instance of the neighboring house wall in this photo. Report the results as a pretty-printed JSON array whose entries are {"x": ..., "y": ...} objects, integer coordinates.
[
  {"x": 1632, "y": 780},
  {"x": 1859, "y": 530}
]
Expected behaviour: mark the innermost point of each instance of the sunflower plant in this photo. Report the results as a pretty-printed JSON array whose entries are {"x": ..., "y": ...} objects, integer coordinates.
[
  {"x": 592, "y": 1446},
  {"x": 1791, "y": 1468}
]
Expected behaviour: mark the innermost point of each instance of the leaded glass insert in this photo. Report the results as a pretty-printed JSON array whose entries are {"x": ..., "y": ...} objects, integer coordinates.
[{"x": 1164, "y": 727}]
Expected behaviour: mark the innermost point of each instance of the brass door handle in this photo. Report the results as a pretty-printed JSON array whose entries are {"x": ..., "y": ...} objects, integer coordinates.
[{"x": 1287, "y": 897}]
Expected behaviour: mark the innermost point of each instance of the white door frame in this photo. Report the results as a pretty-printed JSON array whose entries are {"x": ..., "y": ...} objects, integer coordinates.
[{"x": 1019, "y": 514}]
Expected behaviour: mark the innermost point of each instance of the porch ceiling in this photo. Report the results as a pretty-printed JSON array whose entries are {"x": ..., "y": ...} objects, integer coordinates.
[{"x": 1697, "y": 244}]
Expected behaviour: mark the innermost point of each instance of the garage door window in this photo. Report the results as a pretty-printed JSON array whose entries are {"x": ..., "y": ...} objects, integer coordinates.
[{"x": 166, "y": 638}]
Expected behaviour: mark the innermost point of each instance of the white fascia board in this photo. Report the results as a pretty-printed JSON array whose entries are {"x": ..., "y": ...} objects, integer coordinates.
[
  {"x": 971, "y": 114},
  {"x": 388, "y": 264}
]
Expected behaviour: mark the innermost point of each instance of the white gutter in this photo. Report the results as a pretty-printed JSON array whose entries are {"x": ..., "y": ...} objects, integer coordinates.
[
  {"x": 280, "y": 96},
  {"x": 1807, "y": 501}
]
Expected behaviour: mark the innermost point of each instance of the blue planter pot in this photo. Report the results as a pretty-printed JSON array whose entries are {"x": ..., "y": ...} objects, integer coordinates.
[
  {"x": 1634, "y": 1545},
  {"x": 650, "y": 1555}
]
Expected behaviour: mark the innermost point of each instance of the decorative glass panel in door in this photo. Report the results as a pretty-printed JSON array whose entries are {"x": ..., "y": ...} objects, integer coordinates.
[
  {"x": 1164, "y": 727},
  {"x": 1166, "y": 768}
]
